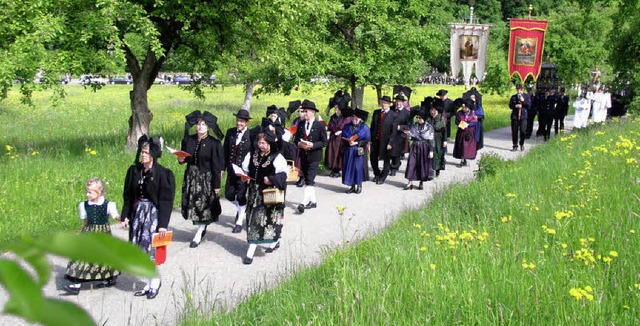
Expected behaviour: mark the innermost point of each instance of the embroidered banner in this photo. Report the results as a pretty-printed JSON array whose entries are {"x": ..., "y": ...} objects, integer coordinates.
[
  {"x": 526, "y": 45},
  {"x": 469, "y": 49}
]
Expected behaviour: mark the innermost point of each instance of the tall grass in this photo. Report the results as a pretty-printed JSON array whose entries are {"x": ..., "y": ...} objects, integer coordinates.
[
  {"x": 550, "y": 240},
  {"x": 50, "y": 149}
]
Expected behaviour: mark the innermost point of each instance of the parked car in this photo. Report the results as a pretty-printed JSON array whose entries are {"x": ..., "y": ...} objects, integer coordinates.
[
  {"x": 181, "y": 80},
  {"x": 120, "y": 80},
  {"x": 90, "y": 79},
  {"x": 160, "y": 81}
]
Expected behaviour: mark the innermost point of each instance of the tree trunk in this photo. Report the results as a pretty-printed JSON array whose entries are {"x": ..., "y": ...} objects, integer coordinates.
[
  {"x": 141, "y": 116},
  {"x": 143, "y": 78},
  {"x": 379, "y": 93},
  {"x": 248, "y": 95},
  {"x": 357, "y": 94}
]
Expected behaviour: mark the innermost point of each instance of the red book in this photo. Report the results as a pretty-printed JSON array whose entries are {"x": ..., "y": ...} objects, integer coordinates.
[{"x": 177, "y": 153}]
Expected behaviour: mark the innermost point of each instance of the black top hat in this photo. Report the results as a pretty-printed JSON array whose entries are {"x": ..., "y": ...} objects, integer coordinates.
[
  {"x": 386, "y": 99},
  {"x": 306, "y": 104},
  {"x": 400, "y": 97},
  {"x": 362, "y": 114},
  {"x": 442, "y": 92},
  {"x": 242, "y": 114}
]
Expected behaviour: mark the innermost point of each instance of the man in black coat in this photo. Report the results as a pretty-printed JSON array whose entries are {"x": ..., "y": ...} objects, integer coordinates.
[
  {"x": 399, "y": 138},
  {"x": 562, "y": 108},
  {"x": 310, "y": 138},
  {"x": 519, "y": 104},
  {"x": 532, "y": 112},
  {"x": 382, "y": 128},
  {"x": 547, "y": 112},
  {"x": 444, "y": 105},
  {"x": 237, "y": 144}
]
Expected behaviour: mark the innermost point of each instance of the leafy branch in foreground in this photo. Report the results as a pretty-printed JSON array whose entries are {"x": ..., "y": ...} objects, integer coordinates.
[{"x": 26, "y": 297}]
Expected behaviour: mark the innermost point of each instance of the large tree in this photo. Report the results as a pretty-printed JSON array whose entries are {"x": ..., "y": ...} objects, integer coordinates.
[{"x": 82, "y": 36}]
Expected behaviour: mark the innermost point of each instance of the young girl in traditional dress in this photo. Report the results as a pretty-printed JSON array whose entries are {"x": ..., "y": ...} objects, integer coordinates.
[{"x": 94, "y": 213}]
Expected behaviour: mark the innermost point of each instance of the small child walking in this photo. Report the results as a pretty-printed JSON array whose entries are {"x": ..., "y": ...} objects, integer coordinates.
[{"x": 94, "y": 212}]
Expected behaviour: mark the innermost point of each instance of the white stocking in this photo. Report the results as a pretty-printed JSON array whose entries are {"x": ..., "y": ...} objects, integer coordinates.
[
  {"x": 241, "y": 212},
  {"x": 312, "y": 194},
  {"x": 198, "y": 236},
  {"x": 251, "y": 250}
]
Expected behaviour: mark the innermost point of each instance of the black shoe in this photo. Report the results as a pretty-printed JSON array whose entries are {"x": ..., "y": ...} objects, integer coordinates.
[
  {"x": 270, "y": 250},
  {"x": 311, "y": 205},
  {"x": 140, "y": 293},
  {"x": 408, "y": 187},
  {"x": 437, "y": 173},
  {"x": 72, "y": 290},
  {"x": 301, "y": 208},
  {"x": 392, "y": 173},
  {"x": 338, "y": 174},
  {"x": 380, "y": 181},
  {"x": 522, "y": 148},
  {"x": 153, "y": 293},
  {"x": 237, "y": 229},
  {"x": 351, "y": 190},
  {"x": 332, "y": 174},
  {"x": 300, "y": 183},
  {"x": 194, "y": 244},
  {"x": 375, "y": 179},
  {"x": 419, "y": 187},
  {"x": 358, "y": 189},
  {"x": 110, "y": 282},
  {"x": 247, "y": 261},
  {"x": 514, "y": 148}
]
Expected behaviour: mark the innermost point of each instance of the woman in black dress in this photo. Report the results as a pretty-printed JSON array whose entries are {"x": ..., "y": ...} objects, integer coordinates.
[
  {"x": 201, "y": 185},
  {"x": 149, "y": 191}
]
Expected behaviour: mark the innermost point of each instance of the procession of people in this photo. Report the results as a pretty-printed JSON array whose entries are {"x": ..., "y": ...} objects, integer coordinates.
[{"x": 255, "y": 161}]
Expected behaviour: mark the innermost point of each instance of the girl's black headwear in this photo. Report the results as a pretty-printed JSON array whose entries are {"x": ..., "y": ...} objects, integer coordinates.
[
  {"x": 155, "y": 147},
  {"x": 273, "y": 139},
  {"x": 208, "y": 118}
]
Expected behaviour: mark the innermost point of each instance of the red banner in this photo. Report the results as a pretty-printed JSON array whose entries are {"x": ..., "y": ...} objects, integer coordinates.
[{"x": 526, "y": 45}]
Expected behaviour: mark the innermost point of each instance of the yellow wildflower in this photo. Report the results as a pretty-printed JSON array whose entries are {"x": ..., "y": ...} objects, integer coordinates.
[
  {"x": 423, "y": 248},
  {"x": 613, "y": 253},
  {"x": 433, "y": 266},
  {"x": 512, "y": 195},
  {"x": 9, "y": 148}
]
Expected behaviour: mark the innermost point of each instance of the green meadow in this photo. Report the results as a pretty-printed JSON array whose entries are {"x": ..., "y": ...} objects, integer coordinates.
[
  {"x": 550, "y": 239},
  {"x": 51, "y": 148}
]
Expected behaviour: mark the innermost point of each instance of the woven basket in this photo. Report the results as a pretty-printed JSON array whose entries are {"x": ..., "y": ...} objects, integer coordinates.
[
  {"x": 293, "y": 172},
  {"x": 272, "y": 196}
]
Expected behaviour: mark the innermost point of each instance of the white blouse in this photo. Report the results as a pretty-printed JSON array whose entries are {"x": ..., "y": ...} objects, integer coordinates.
[{"x": 111, "y": 208}]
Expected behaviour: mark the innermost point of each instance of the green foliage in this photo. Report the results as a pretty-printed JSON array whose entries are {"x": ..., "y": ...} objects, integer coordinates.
[
  {"x": 489, "y": 164},
  {"x": 624, "y": 43},
  {"x": 26, "y": 299}
]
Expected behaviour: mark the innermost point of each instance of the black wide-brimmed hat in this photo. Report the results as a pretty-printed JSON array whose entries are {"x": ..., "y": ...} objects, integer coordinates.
[
  {"x": 400, "y": 97},
  {"x": 442, "y": 92},
  {"x": 404, "y": 90},
  {"x": 306, "y": 104},
  {"x": 208, "y": 118},
  {"x": 242, "y": 114},
  {"x": 362, "y": 114},
  {"x": 155, "y": 147},
  {"x": 293, "y": 106},
  {"x": 271, "y": 109},
  {"x": 346, "y": 111},
  {"x": 419, "y": 112},
  {"x": 386, "y": 99}
]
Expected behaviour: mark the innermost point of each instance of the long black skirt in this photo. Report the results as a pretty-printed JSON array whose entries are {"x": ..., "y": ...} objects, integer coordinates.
[
  {"x": 198, "y": 197},
  {"x": 419, "y": 164},
  {"x": 264, "y": 222}
]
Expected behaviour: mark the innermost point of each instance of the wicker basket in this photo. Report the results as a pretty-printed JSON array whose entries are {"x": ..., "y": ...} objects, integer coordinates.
[
  {"x": 293, "y": 172},
  {"x": 273, "y": 196}
]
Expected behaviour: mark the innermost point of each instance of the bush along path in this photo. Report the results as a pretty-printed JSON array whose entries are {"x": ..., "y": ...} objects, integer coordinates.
[{"x": 196, "y": 280}]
